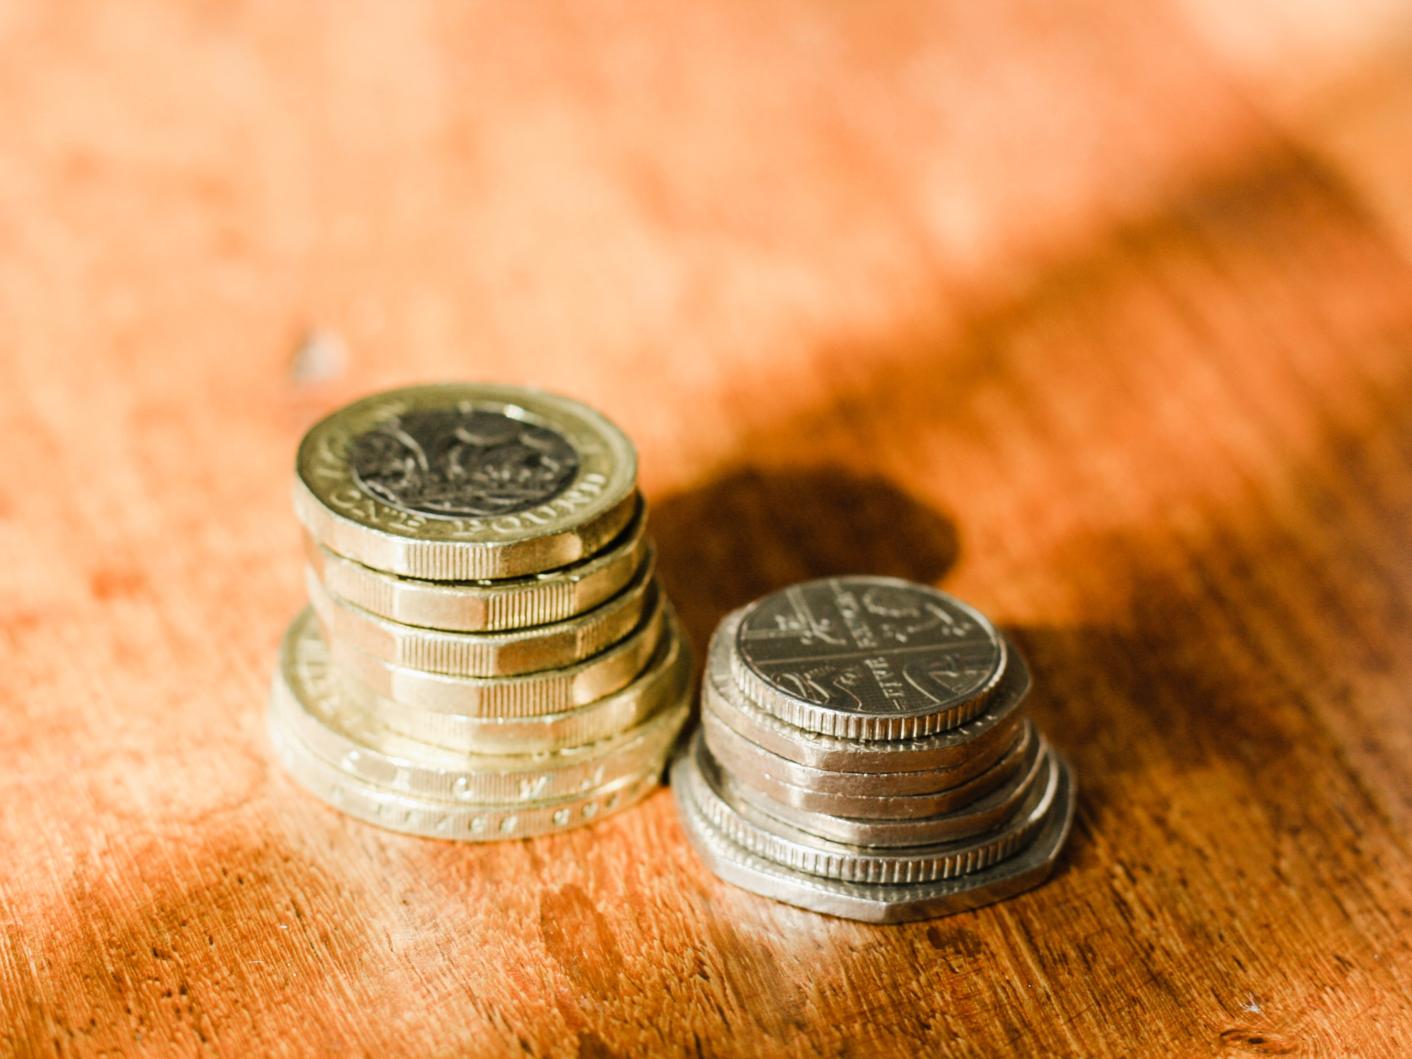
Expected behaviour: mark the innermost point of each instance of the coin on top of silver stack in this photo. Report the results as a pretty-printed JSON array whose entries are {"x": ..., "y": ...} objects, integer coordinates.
[
  {"x": 863, "y": 753},
  {"x": 488, "y": 653}
]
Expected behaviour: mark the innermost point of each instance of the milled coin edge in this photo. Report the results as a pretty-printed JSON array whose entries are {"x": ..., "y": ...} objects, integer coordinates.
[
  {"x": 428, "y": 818},
  {"x": 488, "y": 606},
  {"x": 523, "y": 695},
  {"x": 509, "y": 652},
  {"x": 784, "y": 844},
  {"x": 988, "y": 810},
  {"x": 306, "y": 711},
  {"x": 1025, "y": 870}
]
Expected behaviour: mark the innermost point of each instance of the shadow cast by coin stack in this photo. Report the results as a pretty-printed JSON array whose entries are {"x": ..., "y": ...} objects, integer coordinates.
[{"x": 752, "y": 530}]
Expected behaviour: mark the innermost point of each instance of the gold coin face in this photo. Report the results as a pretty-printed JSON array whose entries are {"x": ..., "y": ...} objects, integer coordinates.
[
  {"x": 464, "y": 481},
  {"x": 461, "y": 462}
]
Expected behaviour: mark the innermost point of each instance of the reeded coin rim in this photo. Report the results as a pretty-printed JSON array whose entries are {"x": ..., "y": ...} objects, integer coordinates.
[
  {"x": 509, "y": 652},
  {"x": 306, "y": 702},
  {"x": 735, "y": 865},
  {"x": 569, "y": 527},
  {"x": 746, "y": 757},
  {"x": 827, "y": 720},
  {"x": 485, "y": 605},
  {"x": 430, "y": 818},
  {"x": 784, "y": 844},
  {"x": 723, "y": 697},
  {"x": 895, "y": 806},
  {"x": 524, "y": 696},
  {"x": 987, "y": 811},
  {"x": 666, "y": 678}
]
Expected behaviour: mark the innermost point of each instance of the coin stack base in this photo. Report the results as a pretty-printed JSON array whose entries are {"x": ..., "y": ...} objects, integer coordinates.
[
  {"x": 863, "y": 753},
  {"x": 488, "y": 654}
]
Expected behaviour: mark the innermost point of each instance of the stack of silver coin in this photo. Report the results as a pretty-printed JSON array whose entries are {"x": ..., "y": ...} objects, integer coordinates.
[
  {"x": 488, "y": 654},
  {"x": 863, "y": 753}
]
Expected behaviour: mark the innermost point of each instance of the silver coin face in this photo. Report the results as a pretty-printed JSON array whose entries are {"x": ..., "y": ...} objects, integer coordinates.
[
  {"x": 462, "y": 462},
  {"x": 870, "y": 646}
]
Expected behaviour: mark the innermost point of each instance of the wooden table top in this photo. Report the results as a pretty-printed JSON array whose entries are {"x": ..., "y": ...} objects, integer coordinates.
[{"x": 1099, "y": 316}]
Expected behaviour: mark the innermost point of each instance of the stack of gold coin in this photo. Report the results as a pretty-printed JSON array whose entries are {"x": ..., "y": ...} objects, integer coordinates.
[
  {"x": 863, "y": 753},
  {"x": 488, "y": 653}
]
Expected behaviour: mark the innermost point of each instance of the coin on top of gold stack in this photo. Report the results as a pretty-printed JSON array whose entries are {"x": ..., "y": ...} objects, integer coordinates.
[
  {"x": 462, "y": 482},
  {"x": 863, "y": 752},
  {"x": 488, "y": 653}
]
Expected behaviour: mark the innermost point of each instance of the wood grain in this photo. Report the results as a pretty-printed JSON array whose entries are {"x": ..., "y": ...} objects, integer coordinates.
[{"x": 1098, "y": 315}]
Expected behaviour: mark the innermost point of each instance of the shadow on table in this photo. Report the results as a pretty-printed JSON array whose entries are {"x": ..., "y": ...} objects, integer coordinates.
[{"x": 751, "y": 531}]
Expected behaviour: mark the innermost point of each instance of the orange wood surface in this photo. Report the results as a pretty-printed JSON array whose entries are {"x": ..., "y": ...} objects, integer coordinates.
[{"x": 1097, "y": 315}]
